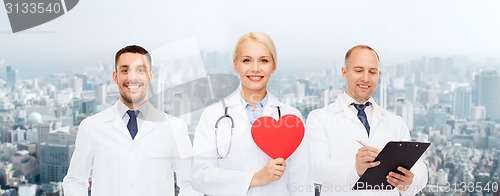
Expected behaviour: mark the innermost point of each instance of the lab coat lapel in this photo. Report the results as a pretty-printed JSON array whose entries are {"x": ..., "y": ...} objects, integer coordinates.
[
  {"x": 152, "y": 117},
  {"x": 377, "y": 116},
  {"x": 270, "y": 109},
  {"x": 341, "y": 106},
  {"x": 114, "y": 118},
  {"x": 235, "y": 109}
]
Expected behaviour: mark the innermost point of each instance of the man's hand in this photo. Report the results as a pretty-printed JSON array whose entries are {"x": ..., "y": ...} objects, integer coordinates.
[
  {"x": 364, "y": 159},
  {"x": 272, "y": 171},
  {"x": 401, "y": 182}
]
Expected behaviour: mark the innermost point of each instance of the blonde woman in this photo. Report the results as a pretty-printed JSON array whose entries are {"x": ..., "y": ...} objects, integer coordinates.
[{"x": 226, "y": 160}]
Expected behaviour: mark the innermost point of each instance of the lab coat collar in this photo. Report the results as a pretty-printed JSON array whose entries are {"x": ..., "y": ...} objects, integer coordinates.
[
  {"x": 269, "y": 109},
  {"x": 152, "y": 114},
  {"x": 111, "y": 115},
  {"x": 235, "y": 100},
  {"x": 342, "y": 102}
]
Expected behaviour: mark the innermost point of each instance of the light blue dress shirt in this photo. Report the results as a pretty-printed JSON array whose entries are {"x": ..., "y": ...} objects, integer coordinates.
[{"x": 252, "y": 116}]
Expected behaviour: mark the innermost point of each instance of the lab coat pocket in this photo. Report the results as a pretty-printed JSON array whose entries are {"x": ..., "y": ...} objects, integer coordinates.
[{"x": 156, "y": 167}]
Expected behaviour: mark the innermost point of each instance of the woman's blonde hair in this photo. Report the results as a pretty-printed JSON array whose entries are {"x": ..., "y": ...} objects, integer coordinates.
[{"x": 260, "y": 37}]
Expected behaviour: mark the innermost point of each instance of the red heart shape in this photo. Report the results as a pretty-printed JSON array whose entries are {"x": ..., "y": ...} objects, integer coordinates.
[{"x": 278, "y": 139}]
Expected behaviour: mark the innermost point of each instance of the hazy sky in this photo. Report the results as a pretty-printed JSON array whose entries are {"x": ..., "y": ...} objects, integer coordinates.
[{"x": 305, "y": 32}]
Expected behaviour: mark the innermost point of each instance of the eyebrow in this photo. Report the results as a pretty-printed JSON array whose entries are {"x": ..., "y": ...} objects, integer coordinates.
[
  {"x": 138, "y": 66},
  {"x": 251, "y": 56},
  {"x": 361, "y": 67}
]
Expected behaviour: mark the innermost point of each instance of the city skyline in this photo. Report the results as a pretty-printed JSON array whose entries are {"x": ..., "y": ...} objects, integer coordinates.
[{"x": 440, "y": 99}]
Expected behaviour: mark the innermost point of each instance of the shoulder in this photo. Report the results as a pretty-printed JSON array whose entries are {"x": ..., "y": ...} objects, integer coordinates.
[
  {"x": 215, "y": 108},
  {"x": 283, "y": 106},
  {"x": 288, "y": 108},
  {"x": 330, "y": 109},
  {"x": 100, "y": 116},
  {"x": 389, "y": 114},
  {"x": 175, "y": 122}
]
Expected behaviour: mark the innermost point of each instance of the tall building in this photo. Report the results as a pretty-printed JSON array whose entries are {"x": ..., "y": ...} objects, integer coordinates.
[
  {"x": 85, "y": 83},
  {"x": 485, "y": 93},
  {"x": 26, "y": 165},
  {"x": 306, "y": 87},
  {"x": 300, "y": 90},
  {"x": 6, "y": 173},
  {"x": 55, "y": 155},
  {"x": 12, "y": 78},
  {"x": 478, "y": 113},
  {"x": 44, "y": 130},
  {"x": 405, "y": 110},
  {"x": 101, "y": 94},
  {"x": 461, "y": 102},
  {"x": 15, "y": 136},
  {"x": 83, "y": 107},
  {"x": 380, "y": 94},
  {"x": 77, "y": 84},
  {"x": 54, "y": 161}
]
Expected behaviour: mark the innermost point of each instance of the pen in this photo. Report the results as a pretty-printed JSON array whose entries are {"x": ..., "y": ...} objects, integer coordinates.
[{"x": 362, "y": 143}]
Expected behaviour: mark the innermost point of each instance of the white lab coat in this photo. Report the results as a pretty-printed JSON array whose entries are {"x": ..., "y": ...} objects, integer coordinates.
[
  {"x": 121, "y": 166},
  {"x": 333, "y": 131},
  {"x": 231, "y": 176}
]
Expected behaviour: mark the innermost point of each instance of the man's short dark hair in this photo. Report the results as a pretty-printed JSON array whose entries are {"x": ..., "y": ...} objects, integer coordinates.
[{"x": 133, "y": 49}]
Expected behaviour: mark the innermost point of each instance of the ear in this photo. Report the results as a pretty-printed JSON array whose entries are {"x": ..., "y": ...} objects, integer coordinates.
[
  {"x": 274, "y": 68},
  {"x": 235, "y": 66},
  {"x": 151, "y": 76},
  {"x": 115, "y": 77},
  {"x": 344, "y": 71}
]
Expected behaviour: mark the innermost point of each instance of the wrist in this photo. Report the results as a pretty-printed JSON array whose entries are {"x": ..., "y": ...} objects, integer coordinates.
[{"x": 255, "y": 180}]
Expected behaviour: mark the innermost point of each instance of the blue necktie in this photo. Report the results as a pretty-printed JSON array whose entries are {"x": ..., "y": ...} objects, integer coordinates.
[
  {"x": 132, "y": 123},
  {"x": 362, "y": 115}
]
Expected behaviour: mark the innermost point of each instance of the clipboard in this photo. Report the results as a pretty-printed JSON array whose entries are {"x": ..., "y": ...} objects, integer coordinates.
[{"x": 394, "y": 154}]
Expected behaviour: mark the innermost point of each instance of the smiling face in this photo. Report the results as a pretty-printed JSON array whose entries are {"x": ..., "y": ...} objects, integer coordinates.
[
  {"x": 361, "y": 73},
  {"x": 133, "y": 76},
  {"x": 254, "y": 63}
]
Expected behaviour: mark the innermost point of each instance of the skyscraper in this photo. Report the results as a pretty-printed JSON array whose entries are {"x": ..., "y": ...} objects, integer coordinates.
[
  {"x": 12, "y": 78},
  {"x": 44, "y": 130},
  {"x": 101, "y": 94},
  {"x": 462, "y": 102},
  {"x": 485, "y": 93},
  {"x": 54, "y": 161},
  {"x": 405, "y": 110},
  {"x": 83, "y": 107},
  {"x": 55, "y": 155}
]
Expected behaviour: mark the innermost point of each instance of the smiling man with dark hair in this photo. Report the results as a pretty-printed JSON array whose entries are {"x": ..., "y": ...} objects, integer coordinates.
[{"x": 131, "y": 148}]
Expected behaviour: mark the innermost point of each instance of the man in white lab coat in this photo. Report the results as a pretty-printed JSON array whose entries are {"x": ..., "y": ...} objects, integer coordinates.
[
  {"x": 131, "y": 148},
  {"x": 338, "y": 160}
]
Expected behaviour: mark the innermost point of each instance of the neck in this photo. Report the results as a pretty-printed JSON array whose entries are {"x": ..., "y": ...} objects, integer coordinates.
[
  {"x": 131, "y": 105},
  {"x": 253, "y": 97},
  {"x": 357, "y": 99}
]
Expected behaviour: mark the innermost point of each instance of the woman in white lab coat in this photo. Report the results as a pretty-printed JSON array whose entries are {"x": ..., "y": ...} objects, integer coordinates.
[{"x": 227, "y": 161}]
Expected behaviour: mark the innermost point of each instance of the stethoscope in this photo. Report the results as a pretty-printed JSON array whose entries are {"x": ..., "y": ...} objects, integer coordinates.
[{"x": 225, "y": 115}]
